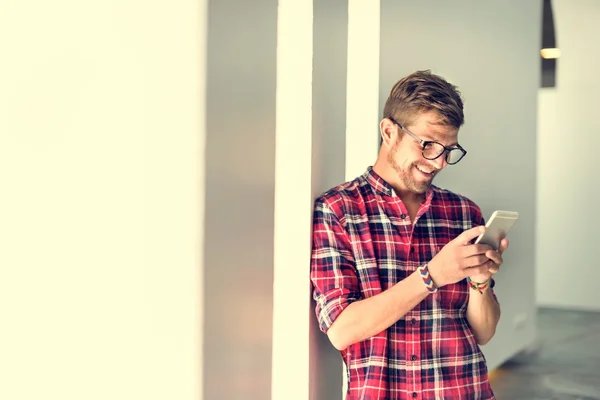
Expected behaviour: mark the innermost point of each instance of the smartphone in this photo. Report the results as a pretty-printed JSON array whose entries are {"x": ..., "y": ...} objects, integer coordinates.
[{"x": 497, "y": 227}]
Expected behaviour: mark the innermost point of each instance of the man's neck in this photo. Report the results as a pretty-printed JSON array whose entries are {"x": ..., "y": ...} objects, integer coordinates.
[{"x": 391, "y": 178}]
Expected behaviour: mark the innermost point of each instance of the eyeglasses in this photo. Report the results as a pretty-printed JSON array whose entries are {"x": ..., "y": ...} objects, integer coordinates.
[{"x": 432, "y": 150}]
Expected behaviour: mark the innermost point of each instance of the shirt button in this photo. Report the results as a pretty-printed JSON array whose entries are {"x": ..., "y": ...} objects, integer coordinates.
[
  {"x": 413, "y": 321},
  {"x": 414, "y": 394},
  {"x": 414, "y": 358},
  {"x": 403, "y": 216}
]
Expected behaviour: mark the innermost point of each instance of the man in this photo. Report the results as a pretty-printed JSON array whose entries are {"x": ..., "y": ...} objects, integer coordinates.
[{"x": 400, "y": 289}]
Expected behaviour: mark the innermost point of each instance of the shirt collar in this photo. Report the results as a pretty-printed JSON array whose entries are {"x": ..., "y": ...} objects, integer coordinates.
[
  {"x": 378, "y": 183},
  {"x": 384, "y": 188}
]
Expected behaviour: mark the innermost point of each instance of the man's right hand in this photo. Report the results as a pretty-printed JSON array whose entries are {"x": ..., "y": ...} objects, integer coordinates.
[{"x": 459, "y": 259}]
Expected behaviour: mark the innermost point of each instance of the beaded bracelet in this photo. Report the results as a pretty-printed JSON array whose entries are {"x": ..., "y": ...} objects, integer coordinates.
[
  {"x": 480, "y": 287},
  {"x": 429, "y": 283}
]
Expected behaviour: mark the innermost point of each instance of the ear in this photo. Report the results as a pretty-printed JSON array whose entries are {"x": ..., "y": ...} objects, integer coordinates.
[{"x": 388, "y": 131}]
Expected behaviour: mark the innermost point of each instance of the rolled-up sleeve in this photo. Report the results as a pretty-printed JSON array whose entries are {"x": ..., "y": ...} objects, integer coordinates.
[{"x": 333, "y": 272}]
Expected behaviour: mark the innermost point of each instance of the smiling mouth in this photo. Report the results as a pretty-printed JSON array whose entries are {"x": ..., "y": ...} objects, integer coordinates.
[{"x": 425, "y": 171}]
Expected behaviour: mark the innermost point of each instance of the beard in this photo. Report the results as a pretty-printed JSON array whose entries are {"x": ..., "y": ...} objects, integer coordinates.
[{"x": 406, "y": 174}]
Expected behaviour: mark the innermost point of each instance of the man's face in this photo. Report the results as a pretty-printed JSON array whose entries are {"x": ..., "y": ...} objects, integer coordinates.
[{"x": 415, "y": 172}]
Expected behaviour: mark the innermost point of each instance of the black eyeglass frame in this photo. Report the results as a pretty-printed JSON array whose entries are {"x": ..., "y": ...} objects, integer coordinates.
[{"x": 424, "y": 143}]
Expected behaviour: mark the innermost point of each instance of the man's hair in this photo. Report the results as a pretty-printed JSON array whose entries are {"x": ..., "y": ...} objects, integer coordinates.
[{"x": 423, "y": 91}]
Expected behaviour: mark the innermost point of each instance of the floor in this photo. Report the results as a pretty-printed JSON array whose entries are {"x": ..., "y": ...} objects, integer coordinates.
[{"x": 564, "y": 366}]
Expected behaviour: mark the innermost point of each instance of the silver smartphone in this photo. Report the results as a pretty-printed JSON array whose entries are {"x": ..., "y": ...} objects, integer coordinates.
[{"x": 497, "y": 227}]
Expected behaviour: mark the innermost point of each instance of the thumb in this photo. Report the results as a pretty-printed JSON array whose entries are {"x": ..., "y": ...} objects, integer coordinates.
[{"x": 470, "y": 234}]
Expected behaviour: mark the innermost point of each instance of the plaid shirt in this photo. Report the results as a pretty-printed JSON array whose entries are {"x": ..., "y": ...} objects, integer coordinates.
[{"x": 363, "y": 244}]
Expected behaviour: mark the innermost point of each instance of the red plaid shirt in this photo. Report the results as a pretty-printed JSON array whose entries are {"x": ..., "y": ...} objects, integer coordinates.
[{"x": 363, "y": 244}]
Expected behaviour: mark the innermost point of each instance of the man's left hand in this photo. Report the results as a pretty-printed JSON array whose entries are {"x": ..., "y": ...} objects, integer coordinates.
[{"x": 493, "y": 264}]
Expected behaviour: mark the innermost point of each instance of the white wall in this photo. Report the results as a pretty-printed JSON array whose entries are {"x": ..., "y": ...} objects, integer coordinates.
[
  {"x": 293, "y": 209},
  {"x": 101, "y": 142},
  {"x": 491, "y": 51},
  {"x": 362, "y": 87},
  {"x": 568, "y": 145}
]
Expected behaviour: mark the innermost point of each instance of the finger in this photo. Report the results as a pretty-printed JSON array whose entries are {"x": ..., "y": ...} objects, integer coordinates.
[
  {"x": 494, "y": 269},
  {"x": 495, "y": 256},
  {"x": 474, "y": 261},
  {"x": 470, "y": 234},
  {"x": 503, "y": 245},
  {"x": 475, "y": 249},
  {"x": 482, "y": 269},
  {"x": 487, "y": 268}
]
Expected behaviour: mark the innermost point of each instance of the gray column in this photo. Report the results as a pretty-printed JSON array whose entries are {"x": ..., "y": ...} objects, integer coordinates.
[{"x": 240, "y": 157}]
